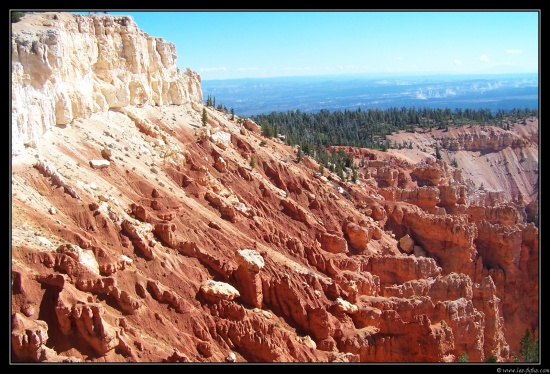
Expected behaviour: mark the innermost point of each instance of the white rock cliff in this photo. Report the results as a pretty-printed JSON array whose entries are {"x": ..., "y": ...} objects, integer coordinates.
[{"x": 69, "y": 66}]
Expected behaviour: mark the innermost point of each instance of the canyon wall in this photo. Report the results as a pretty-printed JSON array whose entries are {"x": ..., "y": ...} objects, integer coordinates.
[{"x": 67, "y": 66}]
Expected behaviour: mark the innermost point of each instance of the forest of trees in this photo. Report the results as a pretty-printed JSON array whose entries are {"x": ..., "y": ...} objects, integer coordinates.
[
  {"x": 369, "y": 128},
  {"x": 313, "y": 133}
]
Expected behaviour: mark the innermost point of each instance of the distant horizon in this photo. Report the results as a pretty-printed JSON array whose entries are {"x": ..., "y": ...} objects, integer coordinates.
[
  {"x": 380, "y": 76},
  {"x": 251, "y": 96},
  {"x": 238, "y": 44}
]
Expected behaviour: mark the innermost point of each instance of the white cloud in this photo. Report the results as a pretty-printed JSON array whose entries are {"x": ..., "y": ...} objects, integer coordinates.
[
  {"x": 249, "y": 69},
  {"x": 208, "y": 70},
  {"x": 484, "y": 58},
  {"x": 513, "y": 51},
  {"x": 291, "y": 68},
  {"x": 458, "y": 62}
]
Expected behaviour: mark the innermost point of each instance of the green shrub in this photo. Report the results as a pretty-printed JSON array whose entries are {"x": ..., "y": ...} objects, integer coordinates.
[
  {"x": 437, "y": 152},
  {"x": 16, "y": 16},
  {"x": 204, "y": 117}
]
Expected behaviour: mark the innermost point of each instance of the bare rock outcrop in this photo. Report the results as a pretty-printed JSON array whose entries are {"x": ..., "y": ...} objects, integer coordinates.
[
  {"x": 332, "y": 242},
  {"x": 491, "y": 139},
  {"x": 101, "y": 76},
  {"x": 141, "y": 238},
  {"x": 426, "y": 197},
  {"x": 57, "y": 179},
  {"x": 249, "y": 282},
  {"x": 28, "y": 339},
  {"x": 85, "y": 319},
  {"x": 453, "y": 234}
]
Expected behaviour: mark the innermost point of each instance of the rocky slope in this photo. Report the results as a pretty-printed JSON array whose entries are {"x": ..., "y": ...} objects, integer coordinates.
[{"x": 139, "y": 235}]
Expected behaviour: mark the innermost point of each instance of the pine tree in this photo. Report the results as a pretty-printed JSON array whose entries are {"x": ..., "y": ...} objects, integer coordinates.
[
  {"x": 437, "y": 152},
  {"x": 204, "y": 117},
  {"x": 267, "y": 130},
  {"x": 340, "y": 170},
  {"x": 528, "y": 348}
]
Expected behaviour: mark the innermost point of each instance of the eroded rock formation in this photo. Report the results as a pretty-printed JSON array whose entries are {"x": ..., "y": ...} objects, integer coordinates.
[{"x": 179, "y": 251}]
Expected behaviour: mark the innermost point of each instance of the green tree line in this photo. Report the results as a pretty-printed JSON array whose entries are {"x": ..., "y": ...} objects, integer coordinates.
[
  {"x": 314, "y": 133},
  {"x": 211, "y": 102},
  {"x": 369, "y": 128}
]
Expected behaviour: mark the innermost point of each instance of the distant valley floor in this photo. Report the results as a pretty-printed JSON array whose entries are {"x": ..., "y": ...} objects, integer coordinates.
[{"x": 250, "y": 97}]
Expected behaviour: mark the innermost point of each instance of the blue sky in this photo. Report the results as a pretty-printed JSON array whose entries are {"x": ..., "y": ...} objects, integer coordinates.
[{"x": 237, "y": 44}]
